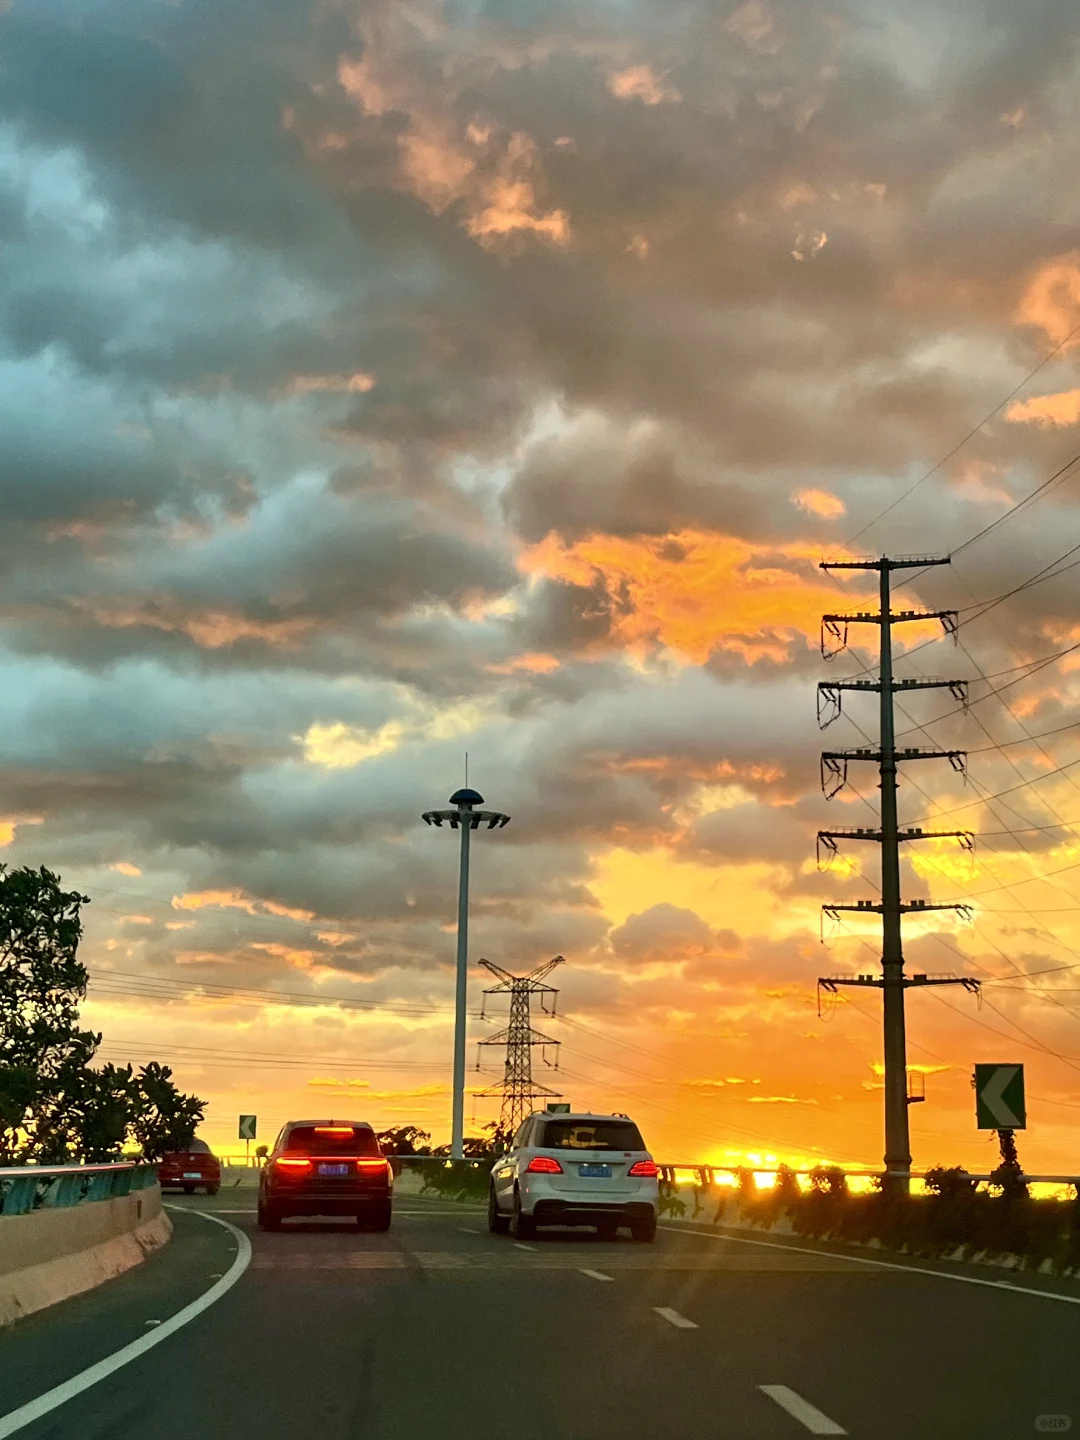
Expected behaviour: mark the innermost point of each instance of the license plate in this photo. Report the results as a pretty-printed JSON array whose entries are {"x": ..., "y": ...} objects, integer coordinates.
[
  {"x": 192, "y": 1174},
  {"x": 333, "y": 1169},
  {"x": 595, "y": 1172}
]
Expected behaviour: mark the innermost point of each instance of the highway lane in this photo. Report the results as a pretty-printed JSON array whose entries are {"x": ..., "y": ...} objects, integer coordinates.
[{"x": 438, "y": 1329}]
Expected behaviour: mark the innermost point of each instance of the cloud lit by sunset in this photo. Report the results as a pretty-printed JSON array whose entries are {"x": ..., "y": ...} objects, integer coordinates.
[{"x": 489, "y": 382}]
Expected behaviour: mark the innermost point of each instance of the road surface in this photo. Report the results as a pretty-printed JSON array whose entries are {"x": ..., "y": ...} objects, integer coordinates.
[{"x": 439, "y": 1329}]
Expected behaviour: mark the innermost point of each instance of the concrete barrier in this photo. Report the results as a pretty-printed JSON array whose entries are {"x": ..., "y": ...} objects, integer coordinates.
[{"x": 53, "y": 1254}]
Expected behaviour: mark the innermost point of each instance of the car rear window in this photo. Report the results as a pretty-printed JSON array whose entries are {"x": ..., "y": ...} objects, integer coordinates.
[
  {"x": 332, "y": 1140},
  {"x": 591, "y": 1135}
]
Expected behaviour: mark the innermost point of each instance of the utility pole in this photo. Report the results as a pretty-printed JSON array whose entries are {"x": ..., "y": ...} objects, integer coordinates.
[
  {"x": 465, "y": 817},
  {"x": 892, "y": 982},
  {"x": 518, "y": 1086}
]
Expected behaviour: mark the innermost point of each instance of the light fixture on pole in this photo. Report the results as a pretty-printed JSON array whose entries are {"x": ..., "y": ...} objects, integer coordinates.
[{"x": 466, "y": 818}]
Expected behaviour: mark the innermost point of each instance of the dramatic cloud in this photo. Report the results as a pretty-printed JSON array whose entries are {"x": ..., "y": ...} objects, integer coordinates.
[{"x": 382, "y": 383}]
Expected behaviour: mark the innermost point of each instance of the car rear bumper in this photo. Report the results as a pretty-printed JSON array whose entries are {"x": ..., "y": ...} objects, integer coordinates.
[
  {"x": 295, "y": 1201},
  {"x": 328, "y": 1205},
  {"x": 585, "y": 1212}
]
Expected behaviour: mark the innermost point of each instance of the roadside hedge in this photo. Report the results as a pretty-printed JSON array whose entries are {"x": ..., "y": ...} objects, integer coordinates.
[{"x": 955, "y": 1218}]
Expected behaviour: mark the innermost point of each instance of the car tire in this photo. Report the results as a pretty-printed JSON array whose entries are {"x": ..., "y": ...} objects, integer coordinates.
[
  {"x": 644, "y": 1231},
  {"x": 212, "y": 1189},
  {"x": 523, "y": 1227},
  {"x": 269, "y": 1218},
  {"x": 498, "y": 1223},
  {"x": 378, "y": 1218}
]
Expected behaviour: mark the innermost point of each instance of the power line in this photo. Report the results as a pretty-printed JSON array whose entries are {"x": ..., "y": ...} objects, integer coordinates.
[
  {"x": 162, "y": 987},
  {"x": 964, "y": 440}
]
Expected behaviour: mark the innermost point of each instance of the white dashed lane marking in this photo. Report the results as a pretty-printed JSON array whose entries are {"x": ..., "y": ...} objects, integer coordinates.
[
  {"x": 799, "y": 1409},
  {"x": 519, "y": 1246},
  {"x": 674, "y": 1318},
  {"x": 597, "y": 1275}
]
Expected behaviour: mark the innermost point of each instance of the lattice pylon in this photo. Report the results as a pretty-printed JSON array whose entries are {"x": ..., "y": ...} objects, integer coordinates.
[{"x": 518, "y": 1088}]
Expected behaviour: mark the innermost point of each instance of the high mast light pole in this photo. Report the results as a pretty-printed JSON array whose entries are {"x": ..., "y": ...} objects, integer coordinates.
[{"x": 466, "y": 818}]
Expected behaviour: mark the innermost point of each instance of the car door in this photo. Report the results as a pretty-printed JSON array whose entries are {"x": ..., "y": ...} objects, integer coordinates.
[{"x": 506, "y": 1168}]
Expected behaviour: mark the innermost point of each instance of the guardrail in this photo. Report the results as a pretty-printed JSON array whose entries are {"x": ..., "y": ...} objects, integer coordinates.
[
  {"x": 706, "y": 1174},
  {"x": 35, "y": 1187}
]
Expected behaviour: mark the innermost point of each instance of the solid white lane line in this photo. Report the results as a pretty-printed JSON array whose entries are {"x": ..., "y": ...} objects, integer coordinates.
[
  {"x": 674, "y": 1318},
  {"x": 597, "y": 1275},
  {"x": 252, "y": 1211},
  {"x": 519, "y": 1246},
  {"x": 34, "y": 1409},
  {"x": 462, "y": 1231},
  {"x": 883, "y": 1265},
  {"x": 801, "y": 1410}
]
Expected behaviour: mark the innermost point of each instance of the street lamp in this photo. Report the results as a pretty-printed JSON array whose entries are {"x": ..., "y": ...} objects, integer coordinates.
[{"x": 465, "y": 818}]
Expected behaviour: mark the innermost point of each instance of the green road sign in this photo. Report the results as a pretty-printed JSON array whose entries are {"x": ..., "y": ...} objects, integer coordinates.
[
  {"x": 247, "y": 1127},
  {"x": 558, "y": 1109},
  {"x": 999, "y": 1097}
]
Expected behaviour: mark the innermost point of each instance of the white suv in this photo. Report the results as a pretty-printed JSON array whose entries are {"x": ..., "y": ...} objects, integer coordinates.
[{"x": 575, "y": 1170}]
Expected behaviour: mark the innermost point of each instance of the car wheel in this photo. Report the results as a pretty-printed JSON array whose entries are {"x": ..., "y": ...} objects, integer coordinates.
[
  {"x": 378, "y": 1218},
  {"x": 498, "y": 1223},
  {"x": 644, "y": 1231},
  {"x": 211, "y": 1189},
  {"x": 269, "y": 1218},
  {"x": 606, "y": 1230},
  {"x": 523, "y": 1227}
]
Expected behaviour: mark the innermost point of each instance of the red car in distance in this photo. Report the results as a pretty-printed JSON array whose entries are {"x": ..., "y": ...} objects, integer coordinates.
[{"x": 190, "y": 1170}]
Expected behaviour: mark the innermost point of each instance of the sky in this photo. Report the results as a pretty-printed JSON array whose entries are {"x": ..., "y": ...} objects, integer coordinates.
[{"x": 386, "y": 380}]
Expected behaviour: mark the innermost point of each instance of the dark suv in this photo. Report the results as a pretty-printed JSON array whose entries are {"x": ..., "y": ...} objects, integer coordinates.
[{"x": 326, "y": 1167}]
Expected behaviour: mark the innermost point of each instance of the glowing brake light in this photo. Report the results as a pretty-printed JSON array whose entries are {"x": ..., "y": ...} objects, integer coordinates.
[
  {"x": 292, "y": 1163},
  {"x": 645, "y": 1169},
  {"x": 333, "y": 1129},
  {"x": 543, "y": 1165}
]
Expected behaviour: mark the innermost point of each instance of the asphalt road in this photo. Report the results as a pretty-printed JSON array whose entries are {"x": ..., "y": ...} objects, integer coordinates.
[{"x": 438, "y": 1329}]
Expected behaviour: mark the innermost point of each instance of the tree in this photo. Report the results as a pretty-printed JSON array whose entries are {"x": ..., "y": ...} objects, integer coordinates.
[
  {"x": 42, "y": 980},
  {"x": 163, "y": 1119},
  {"x": 405, "y": 1140},
  {"x": 54, "y": 1106}
]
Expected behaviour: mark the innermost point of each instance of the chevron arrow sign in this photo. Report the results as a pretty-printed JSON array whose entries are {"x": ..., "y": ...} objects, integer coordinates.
[{"x": 999, "y": 1097}]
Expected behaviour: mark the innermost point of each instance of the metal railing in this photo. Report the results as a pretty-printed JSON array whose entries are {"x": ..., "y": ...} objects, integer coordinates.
[
  {"x": 34, "y": 1187},
  {"x": 705, "y": 1175}
]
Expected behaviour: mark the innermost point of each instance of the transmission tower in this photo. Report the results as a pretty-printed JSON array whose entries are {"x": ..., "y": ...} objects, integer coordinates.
[
  {"x": 518, "y": 1087},
  {"x": 892, "y": 981}
]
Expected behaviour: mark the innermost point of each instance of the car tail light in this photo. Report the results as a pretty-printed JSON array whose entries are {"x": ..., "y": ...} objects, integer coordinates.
[
  {"x": 645, "y": 1170},
  {"x": 333, "y": 1129},
  {"x": 543, "y": 1165},
  {"x": 364, "y": 1162},
  {"x": 292, "y": 1164}
]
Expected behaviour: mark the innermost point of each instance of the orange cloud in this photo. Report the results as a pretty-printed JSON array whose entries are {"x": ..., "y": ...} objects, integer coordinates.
[
  {"x": 820, "y": 502},
  {"x": 640, "y": 82},
  {"x": 1051, "y": 300},
  {"x": 531, "y": 664},
  {"x": 122, "y": 867},
  {"x": 12, "y": 823},
  {"x": 219, "y": 899},
  {"x": 753, "y": 24},
  {"x": 1046, "y": 410},
  {"x": 510, "y": 199},
  {"x": 357, "y": 384},
  {"x": 695, "y": 593},
  {"x": 211, "y": 629},
  {"x": 491, "y": 174}
]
